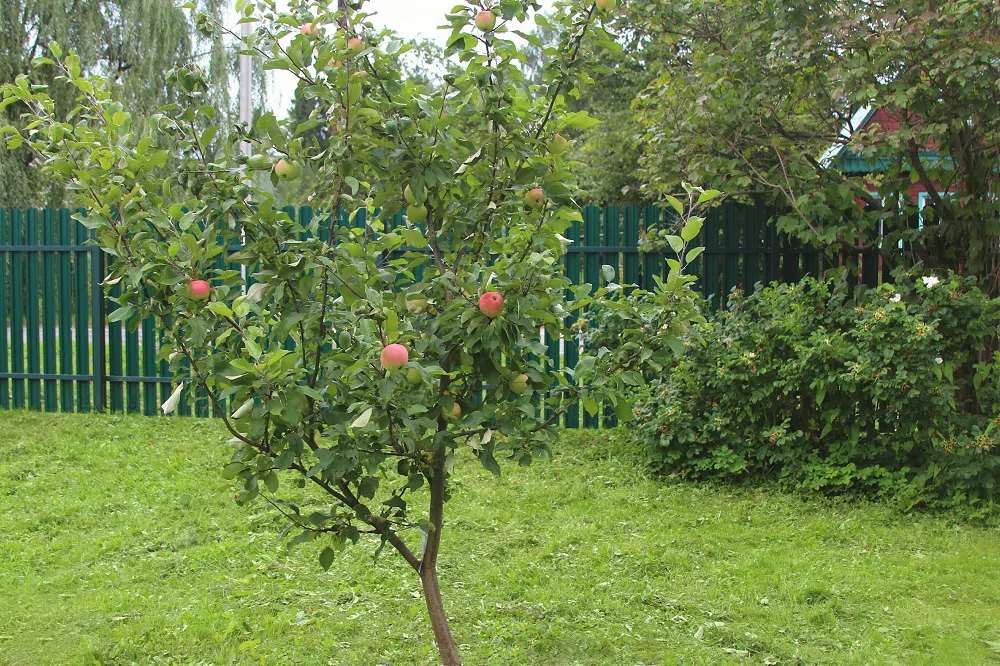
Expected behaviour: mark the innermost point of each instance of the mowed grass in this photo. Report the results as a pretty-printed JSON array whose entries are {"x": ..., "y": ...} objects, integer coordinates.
[{"x": 121, "y": 544}]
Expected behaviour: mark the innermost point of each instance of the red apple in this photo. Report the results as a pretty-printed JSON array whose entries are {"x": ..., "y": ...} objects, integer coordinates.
[
  {"x": 491, "y": 304},
  {"x": 519, "y": 384},
  {"x": 394, "y": 356},
  {"x": 535, "y": 198},
  {"x": 486, "y": 20},
  {"x": 309, "y": 30},
  {"x": 287, "y": 170},
  {"x": 199, "y": 290},
  {"x": 355, "y": 45},
  {"x": 606, "y": 5}
]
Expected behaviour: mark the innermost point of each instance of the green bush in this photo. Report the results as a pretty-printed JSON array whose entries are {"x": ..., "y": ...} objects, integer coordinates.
[{"x": 891, "y": 392}]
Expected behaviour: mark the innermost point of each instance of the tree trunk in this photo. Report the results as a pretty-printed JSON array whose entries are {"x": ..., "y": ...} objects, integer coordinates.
[
  {"x": 439, "y": 621},
  {"x": 428, "y": 570}
]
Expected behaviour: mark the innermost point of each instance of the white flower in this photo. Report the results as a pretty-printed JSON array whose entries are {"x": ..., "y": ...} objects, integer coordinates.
[
  {"x": 939, "y": 360},
  {"x": 897, "y": 298},
  {"x": 930, "y": 281}
]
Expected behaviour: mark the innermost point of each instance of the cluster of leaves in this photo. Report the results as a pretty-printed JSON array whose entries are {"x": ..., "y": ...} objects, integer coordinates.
[
  {"x": 655, "y": 322},
  {"x": 786, "y": 78},
  {"x": 884, "y": 394}
]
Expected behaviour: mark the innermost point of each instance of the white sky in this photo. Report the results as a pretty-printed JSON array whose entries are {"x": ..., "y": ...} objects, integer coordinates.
[{"x": 410, "y": 18}]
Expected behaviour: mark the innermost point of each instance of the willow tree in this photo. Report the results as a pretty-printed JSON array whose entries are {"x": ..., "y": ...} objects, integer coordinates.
[{"x": 130, "y": 43}]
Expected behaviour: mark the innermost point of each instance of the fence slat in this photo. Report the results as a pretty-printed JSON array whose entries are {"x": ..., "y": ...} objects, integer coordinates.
[
  {"x": 4, "y": 349},
  {"x": 81, "y": 286},
  {"x": 732, "y": 243},
  {"x": 612, "y": 238},
  {"x": 116, "y": 387},
  {"x": 710, "y": 272},
  {"x": 592, "y": 271},
  {"x": 134, "y": 404},
  {"x": 651, "y": 263},
  {"x": 49, "y": 309},
  {"x": 630, "y": 238},
  {"x": 149, "y": 366},
  {"x": 31, "y": 300},
  {"x": 751, "y": 242},
  {"x": 17, "y": 309},
  {"x": 572, "y": 350},
  {"x": 65, "y": 314}
]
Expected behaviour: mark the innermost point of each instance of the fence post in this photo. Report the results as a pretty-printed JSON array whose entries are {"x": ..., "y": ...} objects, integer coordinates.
[{"x": 97, "y": 324}]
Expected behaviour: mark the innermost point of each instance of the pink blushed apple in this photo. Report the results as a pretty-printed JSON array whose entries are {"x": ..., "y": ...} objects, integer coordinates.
[
  {"x": 286, "y": 170},
  {"x": 199, "y": 290},
  {"x": 355, "y": 45},
  {"x": 394, "y": 356},
  {"x": 491, "y": 304},
  {"x": 309, "y": 30},
  {"x": 486, "y": 20},
  {"x": 535, "y": 198},
  {"x": 519, "y": 384}
]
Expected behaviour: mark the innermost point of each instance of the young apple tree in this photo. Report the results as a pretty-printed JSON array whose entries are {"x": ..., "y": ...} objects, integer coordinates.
[{"x": 363, "y": 359}]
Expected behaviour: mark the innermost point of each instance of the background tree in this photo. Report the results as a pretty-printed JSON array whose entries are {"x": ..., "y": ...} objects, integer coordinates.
[
  {"x": 752, "y": 95},
  {"x": 608, "y": 153},
  {"x": 410, "y": 345},
  {"x": 132, "y": 43}
]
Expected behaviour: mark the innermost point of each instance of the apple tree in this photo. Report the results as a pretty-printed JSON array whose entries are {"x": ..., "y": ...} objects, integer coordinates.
[{"x": 363, "y": 358}]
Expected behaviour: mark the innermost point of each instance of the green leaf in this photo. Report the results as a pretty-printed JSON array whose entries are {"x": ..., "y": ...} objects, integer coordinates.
[
  {"x": 708, "y": 195},
  {"x": 693, "y": 254},
  {"x": 675, "y": 202},
  {"x": 326, "y": 558},
  {"x": 579, "y": 120},
  {"x": 676, "y": 244},
  {"x": 623, "y": 410},
  {"x": 363, "y": 420},
  {"x": 231, "y": 470},
  {"x": 489, "y": 463},
  {"x": 122, "y": 313},
  {"x": 691, "y": 229}
]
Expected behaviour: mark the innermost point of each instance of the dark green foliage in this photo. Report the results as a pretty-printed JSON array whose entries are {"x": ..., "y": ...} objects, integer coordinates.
[
  {"x": 882, "y": 394},
  {"x": 750, "y": 95}
]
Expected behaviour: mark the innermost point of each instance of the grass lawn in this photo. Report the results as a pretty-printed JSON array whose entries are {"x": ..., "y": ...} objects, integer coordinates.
[{"x": 120, "y": 543}]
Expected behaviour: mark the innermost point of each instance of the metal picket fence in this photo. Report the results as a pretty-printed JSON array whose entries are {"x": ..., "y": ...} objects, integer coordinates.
[{"x": 60, "y": 353}]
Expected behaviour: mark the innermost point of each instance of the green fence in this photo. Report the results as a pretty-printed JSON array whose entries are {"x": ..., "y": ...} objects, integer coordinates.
[{"x": 53, "y": 311}]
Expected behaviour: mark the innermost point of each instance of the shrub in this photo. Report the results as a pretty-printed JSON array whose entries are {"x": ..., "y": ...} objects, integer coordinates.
[{"x": 890, "y": 392}]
